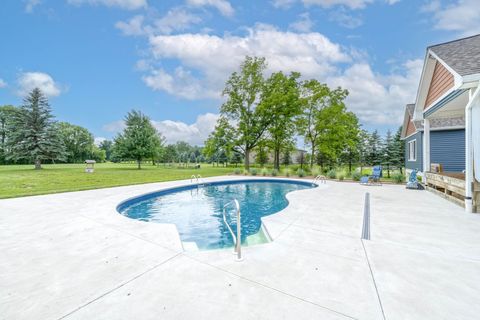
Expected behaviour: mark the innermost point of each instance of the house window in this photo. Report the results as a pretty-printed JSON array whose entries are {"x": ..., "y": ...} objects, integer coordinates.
[{"x": 412, "y": 150}]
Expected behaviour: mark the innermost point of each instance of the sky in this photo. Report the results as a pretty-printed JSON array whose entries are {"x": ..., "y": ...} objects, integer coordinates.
[{"x": 98, "y": 59}]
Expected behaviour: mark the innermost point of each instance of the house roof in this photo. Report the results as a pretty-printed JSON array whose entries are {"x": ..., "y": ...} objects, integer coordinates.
[
  {"x": 411, "y": 109},
  {"x": 462, "y": 55}
]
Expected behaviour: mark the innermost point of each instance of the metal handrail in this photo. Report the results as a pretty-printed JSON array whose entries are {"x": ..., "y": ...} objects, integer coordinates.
[
  {"x": 237, "y": 239},
  {"x": 320, "y": 178},
  {"x": 193, "y": 177},
  {"x": 196, "y": 178}
]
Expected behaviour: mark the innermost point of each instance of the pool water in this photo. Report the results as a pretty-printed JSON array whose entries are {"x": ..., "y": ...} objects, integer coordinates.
[{"x": 197, "y": 211}]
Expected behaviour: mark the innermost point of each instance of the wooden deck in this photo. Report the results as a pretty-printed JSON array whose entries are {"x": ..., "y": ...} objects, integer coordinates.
[{"x": 451, "y": 186}]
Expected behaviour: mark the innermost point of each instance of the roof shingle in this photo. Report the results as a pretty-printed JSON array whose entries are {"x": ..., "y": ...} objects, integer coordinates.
[{"x": 462, "y": 55}]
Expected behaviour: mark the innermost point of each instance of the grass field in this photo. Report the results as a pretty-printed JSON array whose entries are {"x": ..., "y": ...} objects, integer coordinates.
[{"x": 23, "y": 180}]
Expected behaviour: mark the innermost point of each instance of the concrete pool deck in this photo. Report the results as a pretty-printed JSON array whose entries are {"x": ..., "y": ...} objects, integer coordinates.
[{"x": 72, "y": 256}]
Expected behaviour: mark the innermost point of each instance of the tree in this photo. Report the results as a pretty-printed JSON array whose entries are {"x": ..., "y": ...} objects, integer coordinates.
[
  {"x": 398, "y": 152},
  {"x": 6, "y": 116},
  {"x": 363, "y": 148},
  {"x": 281, "y": 98},
  {"x": 107, "y": 145},
  {"x": 78, "y": 141},
  {"x": 242, "y": 106},
  {"x": 170, "y": 154},
  {"x": 375, "y": 149},
  {"x": 388, "y": 151},
  {"x": 261, "y": 157},
  {"x": 236, "y": 158},
  {"x": 139, "y": 140},
  {"x": 220, "y": 140},
  {"x": 314, "y": 97},
  {"x": 33, "y": 135}
]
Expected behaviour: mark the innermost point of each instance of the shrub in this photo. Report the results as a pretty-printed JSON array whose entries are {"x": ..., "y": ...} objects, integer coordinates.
[
  {"x": 301, "y": 173},
  {"x": 274, "y": 172},
  {"x": 287, "y": 172},
  {"x": 332, "y": 174},
  {"x": 398, "y": 178},
  {"x": 253, "y": 172},
  {"x": 237, "y": 171},
  {"x": 316, "y": 172},
  {"x": 356, "y": 176},
  {"x": 264, "y": 172},
  {"x": 341, "y": 176}
]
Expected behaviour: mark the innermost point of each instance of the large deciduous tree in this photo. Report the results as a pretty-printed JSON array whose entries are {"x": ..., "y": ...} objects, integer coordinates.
[
  {"x": 243, "y": 106},
  {"x": 78, "y": 142},
  {"x": 280, "y": 98},
  {"x": 139, "y": 140},
  {"x": 33, "y": 132}
]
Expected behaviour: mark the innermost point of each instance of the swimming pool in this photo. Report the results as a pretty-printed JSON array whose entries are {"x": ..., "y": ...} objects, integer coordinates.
[{"x": 197, "y": 210}]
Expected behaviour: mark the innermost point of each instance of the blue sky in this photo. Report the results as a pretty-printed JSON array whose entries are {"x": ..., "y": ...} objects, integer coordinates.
[{"x": 98, "y": 59}]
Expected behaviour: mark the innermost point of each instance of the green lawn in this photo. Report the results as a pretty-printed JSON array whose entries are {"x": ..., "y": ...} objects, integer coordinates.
[{"x": 23, "y": 180}]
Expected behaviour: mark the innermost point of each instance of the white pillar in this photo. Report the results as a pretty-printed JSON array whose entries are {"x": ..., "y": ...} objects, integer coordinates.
[
  {"x": 469, "y": 150},
  {"x": 426, "y": 145}
]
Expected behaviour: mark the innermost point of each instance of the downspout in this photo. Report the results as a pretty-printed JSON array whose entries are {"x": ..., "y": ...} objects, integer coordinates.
[{"x": 469, "y": 150}]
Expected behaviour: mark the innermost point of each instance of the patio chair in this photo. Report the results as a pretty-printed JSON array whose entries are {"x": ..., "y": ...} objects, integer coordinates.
[
  {"x": 376, "y": 175},
  {"x": 412, "y": 180}
]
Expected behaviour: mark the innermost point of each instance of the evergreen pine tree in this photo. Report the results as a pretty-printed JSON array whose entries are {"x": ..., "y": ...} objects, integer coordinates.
[
  {"x": 388, "y": 152},
  {"x": 398, "y": 154},
  {"x": 375, "y": 142},
  {"x": 33, "y": 132}
]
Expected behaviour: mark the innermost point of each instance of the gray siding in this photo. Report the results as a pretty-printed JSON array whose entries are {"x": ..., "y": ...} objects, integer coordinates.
[
  {"x": 418, "y": 164},
  {"x": 448, "y": 148}
]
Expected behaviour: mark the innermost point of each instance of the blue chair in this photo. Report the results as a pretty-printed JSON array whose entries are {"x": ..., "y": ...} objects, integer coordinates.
[
  {"x": 364, "y": 180},
  {"x": 412, "y": 180},
  {"x": 376, "y": 174}
]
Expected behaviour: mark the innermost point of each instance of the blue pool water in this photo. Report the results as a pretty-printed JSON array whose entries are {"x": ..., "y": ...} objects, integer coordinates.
[{"x": 197, "y": 212}]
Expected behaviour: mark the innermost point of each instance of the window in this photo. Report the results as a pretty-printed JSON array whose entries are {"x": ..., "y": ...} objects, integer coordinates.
[{"x": 412, "y": 150}]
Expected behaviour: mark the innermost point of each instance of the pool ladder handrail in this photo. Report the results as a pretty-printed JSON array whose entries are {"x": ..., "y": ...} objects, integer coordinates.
[
  {"x": 320, "y": 179},
  {"x": 196, "y": 178},
  {"x": 236, "y": 239}
]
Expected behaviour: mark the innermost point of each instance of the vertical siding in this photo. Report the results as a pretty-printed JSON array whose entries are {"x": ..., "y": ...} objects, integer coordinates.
[
  {"x": 448, "y": 148},
  {"x": 442, "y": 81},
  {"x": 418, "y": 164}
]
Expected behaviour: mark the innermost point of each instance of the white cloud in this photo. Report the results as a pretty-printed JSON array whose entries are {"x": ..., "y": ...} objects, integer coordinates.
[
  {"x": 124, "y": 4},
  {"x": 115, "y": 126},
  {"x": 181, "y": 83},
  {"x": 207, "y": 60},
  {"x": 352, "y": 4},
  {"x": 176, "y": 19},
  {"x": 376, "y": 98},
  {"x": 223, "y": 6},
  {"x": 29, "y": 80},
  {"x": 304, "y": 24},
  {"x": 3, "y": 84},
  {"x": 133, "y": 27},
  {"x": 462, "y": 16},
  {"x": 345, "y": 19},
  {"x": 283, "y": 4},
  {"x": 173, "y": 131},
  {"x": 99, "y": 140},
  {"x": 195, "y": 133},
  {"x": 30, "y": 5}
]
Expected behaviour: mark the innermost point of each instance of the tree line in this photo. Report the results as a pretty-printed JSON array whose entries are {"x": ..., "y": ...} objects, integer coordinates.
[
  {"x": 30, "y": 134},
  {"x": 265, "y": 114}
]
